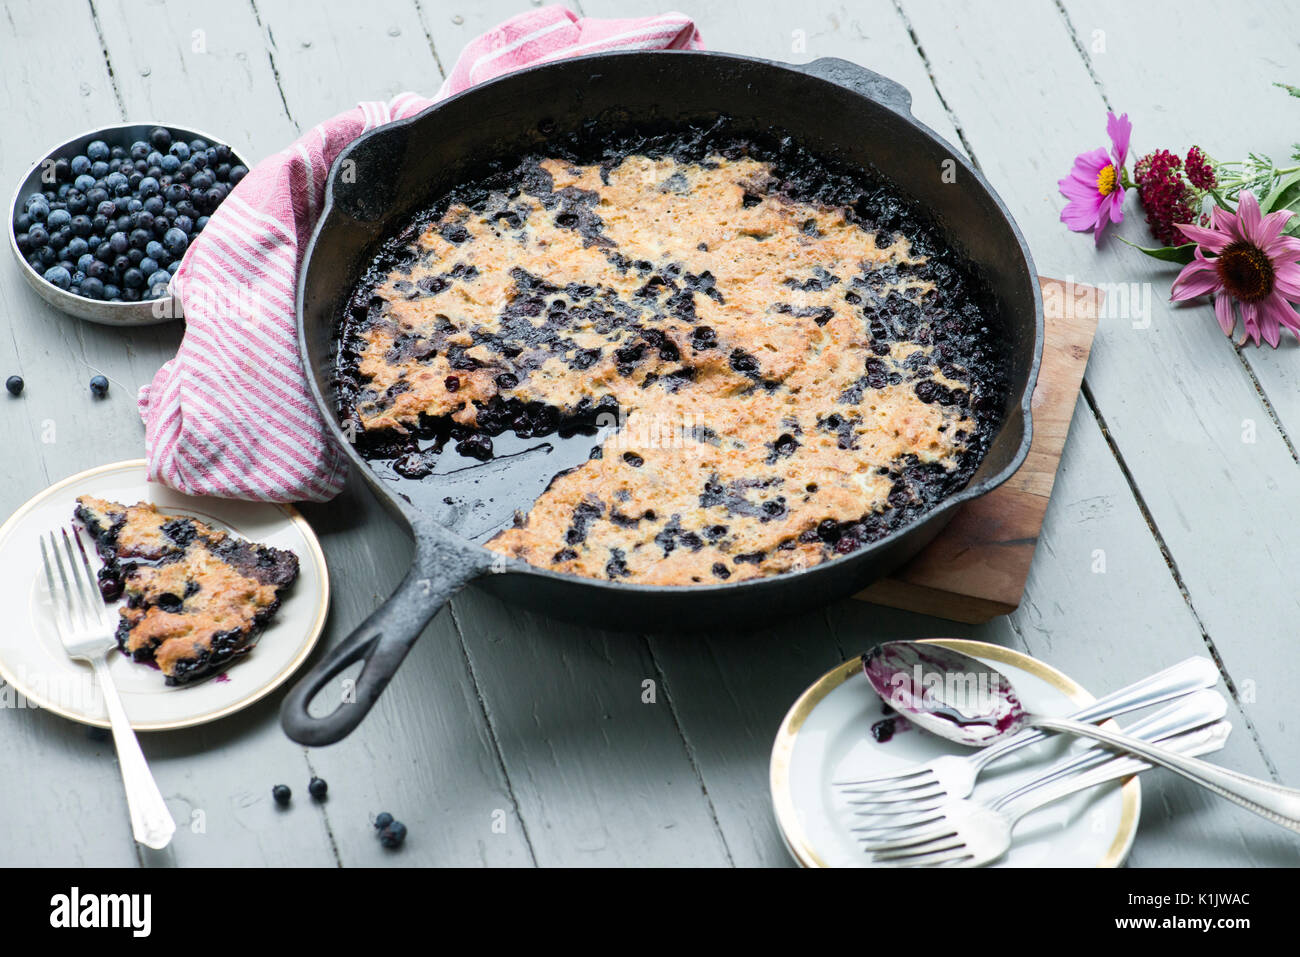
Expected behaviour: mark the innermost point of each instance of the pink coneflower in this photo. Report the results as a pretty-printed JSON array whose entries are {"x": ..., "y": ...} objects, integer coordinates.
[
  {"x": 1095, "y": 186},
  {"x": 1253, "y": 264}
]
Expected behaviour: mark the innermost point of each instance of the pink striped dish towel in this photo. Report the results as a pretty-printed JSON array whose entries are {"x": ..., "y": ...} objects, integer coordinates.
[{"x": 231, "y": 414}]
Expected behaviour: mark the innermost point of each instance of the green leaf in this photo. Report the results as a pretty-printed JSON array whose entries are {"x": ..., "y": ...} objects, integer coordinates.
[
  {"x": 1170, "y": 254},
  {"x": 1221, "y": 202},
  {"x": 1293, "y": 90},
  {"x": 1285, "y": 195}
]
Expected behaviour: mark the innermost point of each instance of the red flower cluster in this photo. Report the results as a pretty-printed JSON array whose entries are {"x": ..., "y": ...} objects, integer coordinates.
[
  {"x": 1165, "y": 194},
  {"x": 1199, "y": 170}
]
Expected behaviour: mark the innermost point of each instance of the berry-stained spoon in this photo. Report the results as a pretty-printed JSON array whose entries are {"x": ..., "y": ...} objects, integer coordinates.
[{"x": 962, "y": 699}]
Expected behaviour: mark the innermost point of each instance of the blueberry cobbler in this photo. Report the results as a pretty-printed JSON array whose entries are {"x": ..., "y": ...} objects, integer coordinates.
[
  {"x": 796, "y": 366},
  {"x": 196, "y": 597}
]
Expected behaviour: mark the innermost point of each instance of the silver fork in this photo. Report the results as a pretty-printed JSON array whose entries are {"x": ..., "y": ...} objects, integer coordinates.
[
  {"x": 973, "y": 834},
  {"x": 1194, "y": 711},
  {"x": 953, "y": 776},
  {"x": 86, "y": 626}
]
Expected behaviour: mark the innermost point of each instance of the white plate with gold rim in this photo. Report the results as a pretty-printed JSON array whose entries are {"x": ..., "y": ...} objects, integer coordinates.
[
  {"x": 38, "y": 673},
  {"x": 826, "y": 737}
]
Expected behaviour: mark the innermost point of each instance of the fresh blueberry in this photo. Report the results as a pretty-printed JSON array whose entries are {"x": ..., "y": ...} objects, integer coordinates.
[
  {"x": 160, "y": 137},
  {"x": 99, "y": 386},
  {"x": 79, "y": 165},
  {"x": 180, "y": 150},
  {"x": 200, "y": 223},
  {"x": 148, "y": 266},
  {"x": 58, "y": 219},
  {"x": 174, "y": 265},
  {"x": 170, "y": 164},
  {"x": 159, "y": 276},
  {"x": 112, "y": 293},
  {"x": 393, "y": 835},
  {"x": 38, "y": 211},
  {"x": 159, "y": 290},
  {"x": 237, "y": 173},
  {"x": 92, "y": 288},
  {"x": 98, "y": 150},
  {"x": 382, "y": 820},
  {"x": 59, "y": 238},
  {"x": 148, "y": 187},
  {"x": 83, "y": 262},
  {"x": 155, "y": 250},
  {"x": 175, "y": 240},
  {"x": 133, "y": 278},
  {"x": 119, "y": 243},
  {"x": 77, "y": 247},
  {"x": 77, "y": 202},
  {"x": 317, "y": 788},
  {"x": 58, "y": 276},
  {"x": 280, "y": 792},
  {"x": 14, "y": 384}
]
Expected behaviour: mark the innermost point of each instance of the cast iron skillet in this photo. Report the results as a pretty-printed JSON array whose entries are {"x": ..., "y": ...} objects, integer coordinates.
[{"x": 388, "y": 176}]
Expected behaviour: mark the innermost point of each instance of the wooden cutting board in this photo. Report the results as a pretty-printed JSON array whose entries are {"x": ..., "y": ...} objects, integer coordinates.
[{"x": 976, "y": 568}]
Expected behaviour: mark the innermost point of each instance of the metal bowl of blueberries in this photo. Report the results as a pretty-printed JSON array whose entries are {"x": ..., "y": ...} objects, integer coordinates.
[{"x": 99, "y": 224}]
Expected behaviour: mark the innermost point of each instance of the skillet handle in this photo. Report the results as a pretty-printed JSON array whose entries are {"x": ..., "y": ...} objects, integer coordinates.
[
  {"x": 861, "y": 80},
  {"x": 442, "y": 566}
]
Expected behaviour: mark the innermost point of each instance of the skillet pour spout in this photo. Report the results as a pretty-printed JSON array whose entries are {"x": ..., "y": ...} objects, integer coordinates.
[{"x": 835, "y": 109}]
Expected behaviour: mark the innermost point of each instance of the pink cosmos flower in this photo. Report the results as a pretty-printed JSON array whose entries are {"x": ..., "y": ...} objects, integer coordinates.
[
  {"x": 1095, "y": 187},
  {"x": 1253, "y": 264}
]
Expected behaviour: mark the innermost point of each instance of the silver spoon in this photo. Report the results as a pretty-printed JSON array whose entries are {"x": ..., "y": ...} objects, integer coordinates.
[{"x": 967, "y": 701}]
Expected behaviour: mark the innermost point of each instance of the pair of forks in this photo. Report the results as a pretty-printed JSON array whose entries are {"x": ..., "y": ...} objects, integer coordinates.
[
  {"x": 967, "y": 833},
  {"x": 922, "y": 816},
  {"x": 87, "y": 626}
]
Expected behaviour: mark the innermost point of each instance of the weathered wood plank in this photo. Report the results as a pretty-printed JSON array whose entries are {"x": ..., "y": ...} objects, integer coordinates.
[
  {"x": 50, "y": 771},
  {"x": 1247, "y": 603},
  {"x": 1031, "y": 65},
  {"x": 426, "y": 753}
]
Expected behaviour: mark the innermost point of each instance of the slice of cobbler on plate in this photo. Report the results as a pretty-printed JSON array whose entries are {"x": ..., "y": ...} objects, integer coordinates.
[{"x": 196, "y": 597}]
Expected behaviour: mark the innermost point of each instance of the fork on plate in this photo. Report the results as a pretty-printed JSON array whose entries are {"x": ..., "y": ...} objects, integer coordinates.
[
  {"x": 966, "y": 833},
  {"x": 954, "y": 776},
  {"x": 87, "y": 626}
]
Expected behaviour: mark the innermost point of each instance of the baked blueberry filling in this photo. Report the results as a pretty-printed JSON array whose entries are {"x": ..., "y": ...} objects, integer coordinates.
[{"x": 827, "y": 360}]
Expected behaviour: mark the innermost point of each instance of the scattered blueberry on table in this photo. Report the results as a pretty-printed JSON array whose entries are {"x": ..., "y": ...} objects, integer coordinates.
[
  {"x": 99, "y": 386},
  {"x": 281, "y": 792},
  {"x": 117, "y": 220},
  {"x": 393, "y": 835},
  {"x": 14, "y": 384},
  {"x": 382, "y": 820},
  {"x": 317, "y": 788}
]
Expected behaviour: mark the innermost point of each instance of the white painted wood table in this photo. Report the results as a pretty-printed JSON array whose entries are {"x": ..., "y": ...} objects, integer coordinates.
[{"x": 507, "y": 739}]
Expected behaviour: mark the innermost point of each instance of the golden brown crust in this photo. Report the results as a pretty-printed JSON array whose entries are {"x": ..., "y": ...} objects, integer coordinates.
[{"x": 724, "y": 318}]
